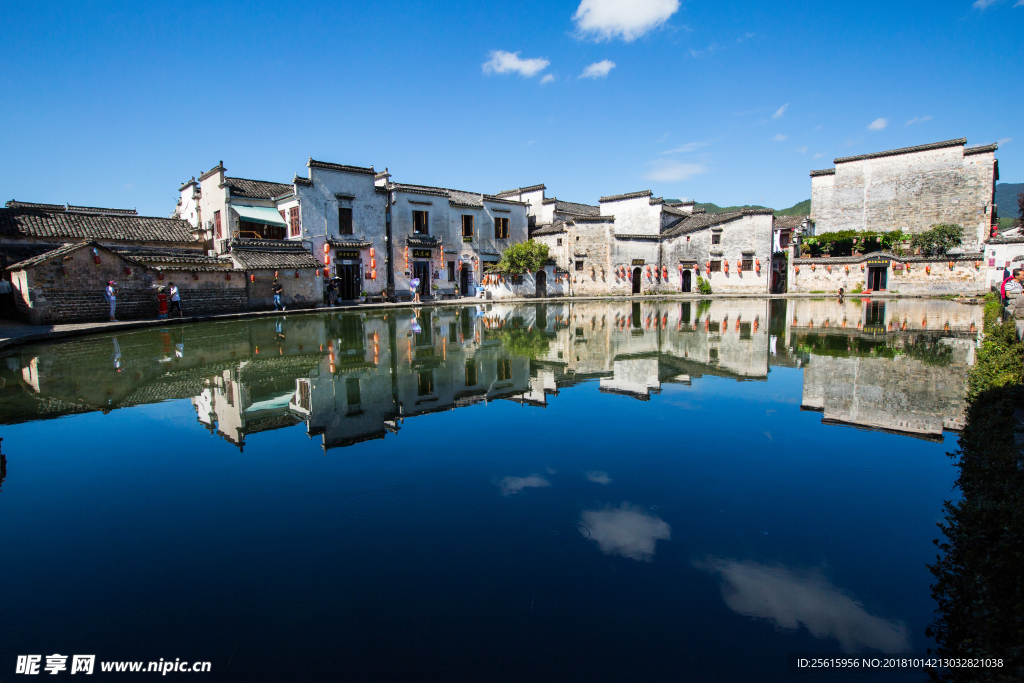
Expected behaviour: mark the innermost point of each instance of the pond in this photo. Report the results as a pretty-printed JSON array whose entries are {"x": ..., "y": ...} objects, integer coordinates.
[{"x": 566, "y": 491}]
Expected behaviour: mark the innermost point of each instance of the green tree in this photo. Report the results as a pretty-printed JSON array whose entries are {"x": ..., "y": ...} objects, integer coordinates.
[
  {"x": 938, "y": 240},
  {"x": 530, "y": 255}
]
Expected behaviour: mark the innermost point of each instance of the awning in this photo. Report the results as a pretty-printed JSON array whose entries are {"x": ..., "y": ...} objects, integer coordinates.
[{"x": 259, "y": 214}]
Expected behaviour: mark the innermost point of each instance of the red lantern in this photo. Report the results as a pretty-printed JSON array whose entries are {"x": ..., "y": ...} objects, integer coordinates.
[
  {"x": 757, "y": 265},
  {"x": 252, "y": 278},
  {"x": 725, "y": 264},
  {"x": 373, "y": 274},
  {"x": 195, "y": 276},
  {"x": 160, "y": 275},
  {"x": 664, "y": 272},
  {"x": 227, "y": 276},
  {"x": 797, "y": 270},
  {"x": 327, "y": 248},
  {"x": 296, "y": 275},
  {"x": 373, "y": 252}
]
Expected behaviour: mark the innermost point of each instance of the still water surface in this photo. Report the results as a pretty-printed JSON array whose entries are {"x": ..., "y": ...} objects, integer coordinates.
[{"x": 602, "y": 491}]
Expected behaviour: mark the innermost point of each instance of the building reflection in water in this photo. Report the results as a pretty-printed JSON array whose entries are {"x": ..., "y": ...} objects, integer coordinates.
[{"x": 895, "y": 365}]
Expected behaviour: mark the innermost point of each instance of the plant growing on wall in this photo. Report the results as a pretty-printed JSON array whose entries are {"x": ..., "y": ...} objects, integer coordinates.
[
  {"x": 518, "y": 258},
  {"x": 703, "y": 286},
  {"x": 938, "y": 240}
]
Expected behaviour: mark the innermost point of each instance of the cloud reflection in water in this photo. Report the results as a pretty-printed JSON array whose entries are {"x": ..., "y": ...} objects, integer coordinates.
[
  {"x": 626, "y": 530},
  {"x": 510, "y": 485},
  {"x": 790, "y": 599}
]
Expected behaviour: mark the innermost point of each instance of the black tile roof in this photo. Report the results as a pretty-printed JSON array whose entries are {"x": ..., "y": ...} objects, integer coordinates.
[
  {"x": 699, "y": 221},
  {"x": 100, "y": 210},
  {"x": 423, "y": 241},
  {"x": 473, "y": 200},
  {"x": 175, "y": 256},
  {"x": 573, "y": 207},
  {"x": 628, "y": 195},
  {"x": 21, "y": 220},
  {"x": 15, "y": 204},
  {"x": 789, "y": 222},
  {"x": 61, "y": 251},
  {"x": 592, "y": 219},
  {"x": 256, "y": 189},
  {"x": 255, "y": 254},
  {"x": 824, "y": 171},
  {"x": 980, "y": 149},
  {"x": 313, "y": 163},
  {"x": 556, "y": 228},
  {"x": 904, "y": 150},
  {"x": 20, "y": 251},
  {"x": 349, "y": 244},
  {"x": 521, "y": 190}
]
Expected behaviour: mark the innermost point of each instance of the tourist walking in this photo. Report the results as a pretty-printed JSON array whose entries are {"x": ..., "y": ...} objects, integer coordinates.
[
  {"x": 415, "y": 284},
  {"x": 278, "y": 290},
  {"x": 110, "y": 294},
  {"x": 176, "y": 300}
]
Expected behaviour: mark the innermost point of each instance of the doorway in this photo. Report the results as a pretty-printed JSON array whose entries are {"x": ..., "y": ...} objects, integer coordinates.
[
  {"x": 877, "y": 279},
  {"x": 349, "y": 284},
  {"x": 686, "y": 281},
  {"x": 421, "y": 270},
  {"x": 464, "y": 281},
  {"x": 542, "y": 283},
  {"x": 636, "y": 280}
]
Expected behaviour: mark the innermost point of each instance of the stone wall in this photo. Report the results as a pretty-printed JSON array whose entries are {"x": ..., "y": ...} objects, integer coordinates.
[
  {"x": 912, "y": 192},
  {"x": 305, "y": 291},
  {"x": 906, "y": 275}
]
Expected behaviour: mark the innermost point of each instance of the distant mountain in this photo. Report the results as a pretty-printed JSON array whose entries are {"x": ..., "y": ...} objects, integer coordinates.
[
  {"x": 1006, "y": 199},
  {"x": 801, "y": 209}
]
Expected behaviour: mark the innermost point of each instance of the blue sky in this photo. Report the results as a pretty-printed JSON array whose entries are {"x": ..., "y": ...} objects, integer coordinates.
[{"x": 115, "y": 104}]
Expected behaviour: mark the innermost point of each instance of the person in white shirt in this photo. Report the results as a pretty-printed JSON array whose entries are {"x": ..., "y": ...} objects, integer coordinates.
[
  {"x": 175, "y": 301},
  {"x": 110, "y": 293}
]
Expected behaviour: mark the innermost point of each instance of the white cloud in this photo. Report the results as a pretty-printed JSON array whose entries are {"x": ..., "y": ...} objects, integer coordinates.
[
  {"x": 918, "y": 119},
  {"x": 1005, "y": 140},
  {"x": 780, "y": 111},
  {"x": 1019, "y": 3},
  {"x": 982, "y": 4},
  {"x": 791, "y": 599},
  {"x": 502, "y": 62},
  {"x": 878, "y": 124},
  {"x": 779, "y": 137},
  {"x": 626, "y": 530},
  {"x": 510, "y": 485},
  {"x": 599, "y": 477},
  {"x": 819, "y": 155},
  {"x": 802, "y": 150},
  {"x": 688, "y": 147},
  {"x": 598, "y": 69},
  {"x": 626, "y": 19},
  {"x": 548, "y": 78},
  {"x": 667, "y": 171}
]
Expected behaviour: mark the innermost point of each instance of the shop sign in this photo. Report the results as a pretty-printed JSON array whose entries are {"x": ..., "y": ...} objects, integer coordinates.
[
  {"x": 421, "y": 253},
  {"x": 347, "y": 254},
  {"x": 637, "y": 262}
]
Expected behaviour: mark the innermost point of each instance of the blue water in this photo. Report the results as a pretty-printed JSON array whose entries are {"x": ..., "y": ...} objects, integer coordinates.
[{"x": 700, "y": 534}]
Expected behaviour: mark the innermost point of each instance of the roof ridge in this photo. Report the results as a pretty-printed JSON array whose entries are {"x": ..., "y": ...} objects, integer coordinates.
[{"x": 903, "y": 150}]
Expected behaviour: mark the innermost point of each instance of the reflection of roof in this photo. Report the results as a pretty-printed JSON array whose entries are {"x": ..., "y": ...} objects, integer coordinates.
[
  {"x": 27, "y": 220},
  {"x": 271, "y": 422}
]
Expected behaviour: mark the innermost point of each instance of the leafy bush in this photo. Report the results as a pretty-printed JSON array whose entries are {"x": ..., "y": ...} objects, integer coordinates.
[
  {"x": 703, "y": 286},
  {"x": 939, "y": 240},
  {"x": 518, "y": 258},
  {"x": 846, "y": 242}
]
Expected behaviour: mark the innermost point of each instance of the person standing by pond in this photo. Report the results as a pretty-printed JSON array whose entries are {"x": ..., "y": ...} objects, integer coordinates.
[
  {"x": 415, "y": 284},
  {"x": 161, "y": 299},
  {"x": 110, "y": 294},
  {"x": 278, "y": 290},
  {"x": 175, "y": 300}
]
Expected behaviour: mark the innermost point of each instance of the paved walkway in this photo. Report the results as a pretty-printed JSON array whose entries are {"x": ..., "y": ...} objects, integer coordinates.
[{"x": 14, "y": 333}]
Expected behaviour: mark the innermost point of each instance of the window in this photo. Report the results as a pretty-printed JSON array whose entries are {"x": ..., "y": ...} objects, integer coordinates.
[
  {"x": 293, "y": 221},
  {"x": 716, "y": 266},
  {"x": 451, "y": 271},
  {"x": 747, "y": 264},
  {"x": 558, "y": 242},
  {"x": 744, "y": 330},
  {"x": 504, "y": 369},
  {"x": 216, "y": 224},
  {"x": 784, "y": 240},
  {"x": 579, "y": 265},
  {"x": 424, "y": 383},
  {"x": 352, "y": 396},
  {"x": 500, "y": 228},
  {"x": 467, "y": 228},
  {"x": 716, "y": 238},
  {"x": 471, "y": 373},
  {"x": 283, "y": 216},
  {"x": 344, "y": 221},
  {"x": 579, "y": 331},
  {"x": 517, "y": 279},
  {"x": 419, "y": 223}
]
